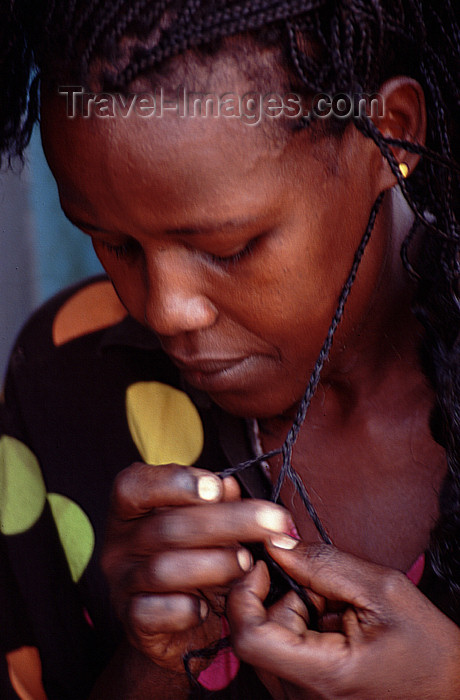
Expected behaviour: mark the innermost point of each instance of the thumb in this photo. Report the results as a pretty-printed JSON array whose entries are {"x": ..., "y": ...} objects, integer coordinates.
[{"x": 337, "y": 576}]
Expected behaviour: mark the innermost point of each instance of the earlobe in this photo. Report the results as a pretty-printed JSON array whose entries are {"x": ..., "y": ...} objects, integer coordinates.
[{"x": 403, "y": 117}]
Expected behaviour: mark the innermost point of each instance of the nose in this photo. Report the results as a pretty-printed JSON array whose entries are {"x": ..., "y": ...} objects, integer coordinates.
[{"x": 175, "y": 301}]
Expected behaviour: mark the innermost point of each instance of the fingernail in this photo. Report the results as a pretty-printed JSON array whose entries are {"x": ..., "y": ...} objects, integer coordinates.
[
  {"x": 209, "y": 488},
  {"x": 204, "y": 610},
  {"x": 283, "y": 541},
  {"x": 292, "y": 531},
  {"x": 244, "y": 559},
  {"x": 271, "y": 519}
]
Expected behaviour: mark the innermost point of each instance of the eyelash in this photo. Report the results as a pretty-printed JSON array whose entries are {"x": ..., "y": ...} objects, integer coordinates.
[
  {"x": 122, "y": 252},
  {"x": 231, "y": 260}
]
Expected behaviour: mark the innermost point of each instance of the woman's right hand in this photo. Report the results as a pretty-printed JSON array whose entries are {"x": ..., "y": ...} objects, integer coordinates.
[{"x": 172, "y": 551}]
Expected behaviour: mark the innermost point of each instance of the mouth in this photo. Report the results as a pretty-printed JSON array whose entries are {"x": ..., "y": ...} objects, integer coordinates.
[
  {"x": 215, "y": 374},
  {"x": 205, "y": 365}
]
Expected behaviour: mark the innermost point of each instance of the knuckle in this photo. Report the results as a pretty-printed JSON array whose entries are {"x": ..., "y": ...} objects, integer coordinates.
[
  {"x": 139, "y": 622},
  {"x": 141, "y": 578},
  {"x": 122, "y": 485},
  {"x": 322, "y": 555},
  {"x": 391, "y": 584},
  {"x": 157, "y": 573},
  {"x": 321, "y": 551}
]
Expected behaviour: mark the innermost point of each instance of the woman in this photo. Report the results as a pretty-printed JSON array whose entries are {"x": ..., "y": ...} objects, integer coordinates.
[{"x": 233, "y": 242}]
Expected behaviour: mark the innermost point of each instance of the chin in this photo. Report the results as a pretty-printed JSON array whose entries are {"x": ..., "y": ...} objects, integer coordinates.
[{"x": 255, "y": 405}]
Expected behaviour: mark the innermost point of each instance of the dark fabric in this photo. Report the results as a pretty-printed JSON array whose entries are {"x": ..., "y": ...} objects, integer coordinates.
[
  {"x": 67, "y": 405},
  {"x": 7, "y": 692}
]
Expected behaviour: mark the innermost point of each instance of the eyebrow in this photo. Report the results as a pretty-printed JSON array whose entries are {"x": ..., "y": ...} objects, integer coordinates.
[
  {"x": 199, "y": 229},
  {"x": 213, "y": 228}
]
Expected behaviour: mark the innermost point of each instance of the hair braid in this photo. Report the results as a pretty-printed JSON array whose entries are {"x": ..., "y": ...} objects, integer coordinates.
[
  {"x": 92, "y": 40},
  {"x": 82, "y": 22},
  {"x": 221, "y": 23}
]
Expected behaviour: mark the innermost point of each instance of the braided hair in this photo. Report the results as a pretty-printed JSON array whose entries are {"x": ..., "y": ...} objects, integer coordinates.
[{"x": 358, "y": 44}]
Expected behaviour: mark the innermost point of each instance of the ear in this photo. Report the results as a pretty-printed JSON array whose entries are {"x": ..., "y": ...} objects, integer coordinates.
[{"x": 404, "y": 117}]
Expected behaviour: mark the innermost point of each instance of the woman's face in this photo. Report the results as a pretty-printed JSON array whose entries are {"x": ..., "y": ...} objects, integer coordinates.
[{"x": 231, "y": 242}]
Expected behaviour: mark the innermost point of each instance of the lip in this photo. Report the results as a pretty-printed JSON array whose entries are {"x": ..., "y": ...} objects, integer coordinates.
[
  {"x": 206, "y": 365},
  {"x": 216, "y": 374}
]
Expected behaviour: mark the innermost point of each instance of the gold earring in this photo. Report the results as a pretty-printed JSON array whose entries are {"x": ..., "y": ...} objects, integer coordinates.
[{"x": 404, "y": 169}]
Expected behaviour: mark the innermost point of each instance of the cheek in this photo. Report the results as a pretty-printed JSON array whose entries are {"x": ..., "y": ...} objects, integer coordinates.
[
  {"x": 128, "y": 281},
  {"x": 132, "y": 295},
  {"x": 284, "y": 301}
]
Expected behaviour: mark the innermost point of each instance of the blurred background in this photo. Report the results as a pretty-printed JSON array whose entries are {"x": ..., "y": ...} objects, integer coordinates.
[{"x": 40, "y": 251}]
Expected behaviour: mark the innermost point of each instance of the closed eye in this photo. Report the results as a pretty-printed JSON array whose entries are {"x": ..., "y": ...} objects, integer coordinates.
[
  {"x": 227, "y": 261},
  {"x": 121, "y": 251}
]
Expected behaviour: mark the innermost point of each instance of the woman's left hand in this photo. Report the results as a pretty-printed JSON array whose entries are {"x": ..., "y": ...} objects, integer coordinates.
[{"x": 381, "y": 637}]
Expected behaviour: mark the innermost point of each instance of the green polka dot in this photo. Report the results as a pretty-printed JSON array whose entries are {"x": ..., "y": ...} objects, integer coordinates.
[
  {"x": 75, "y": 532},
  {"x": 164, "y": 424},
  {"x": 22, "y": 489}
]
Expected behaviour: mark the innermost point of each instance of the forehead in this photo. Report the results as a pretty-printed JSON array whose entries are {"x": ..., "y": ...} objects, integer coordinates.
[
  {"x": 191, "y": 161},
  {"x": 186, "y": 159}
]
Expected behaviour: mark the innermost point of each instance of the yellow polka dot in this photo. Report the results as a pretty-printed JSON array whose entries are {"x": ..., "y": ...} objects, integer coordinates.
[
  {"x": 22, "y": 488},
  {"x": 75, "y": 532},
  {"x": 164, "y": 424}
]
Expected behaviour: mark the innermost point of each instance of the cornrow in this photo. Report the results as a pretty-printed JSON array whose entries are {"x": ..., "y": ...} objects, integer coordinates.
[
  {"x": 92, "y": 39},
  {"x": 220, "y": 23}
]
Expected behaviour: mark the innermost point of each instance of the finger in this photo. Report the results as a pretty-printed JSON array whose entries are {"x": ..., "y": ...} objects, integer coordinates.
[
  {"x": 142, "y": 487},
  {"x": 290, "y": 612},
  {"x": 337, "y": 576},
  {"x": 272, "y": 646},
  {"x": 187, "y": 570},
  {"x": 221, "y": 524},
  {"x": 173, "y": 612},
  {"x": 255, "y": 584},
  {"x": 232, "y": 491}
]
